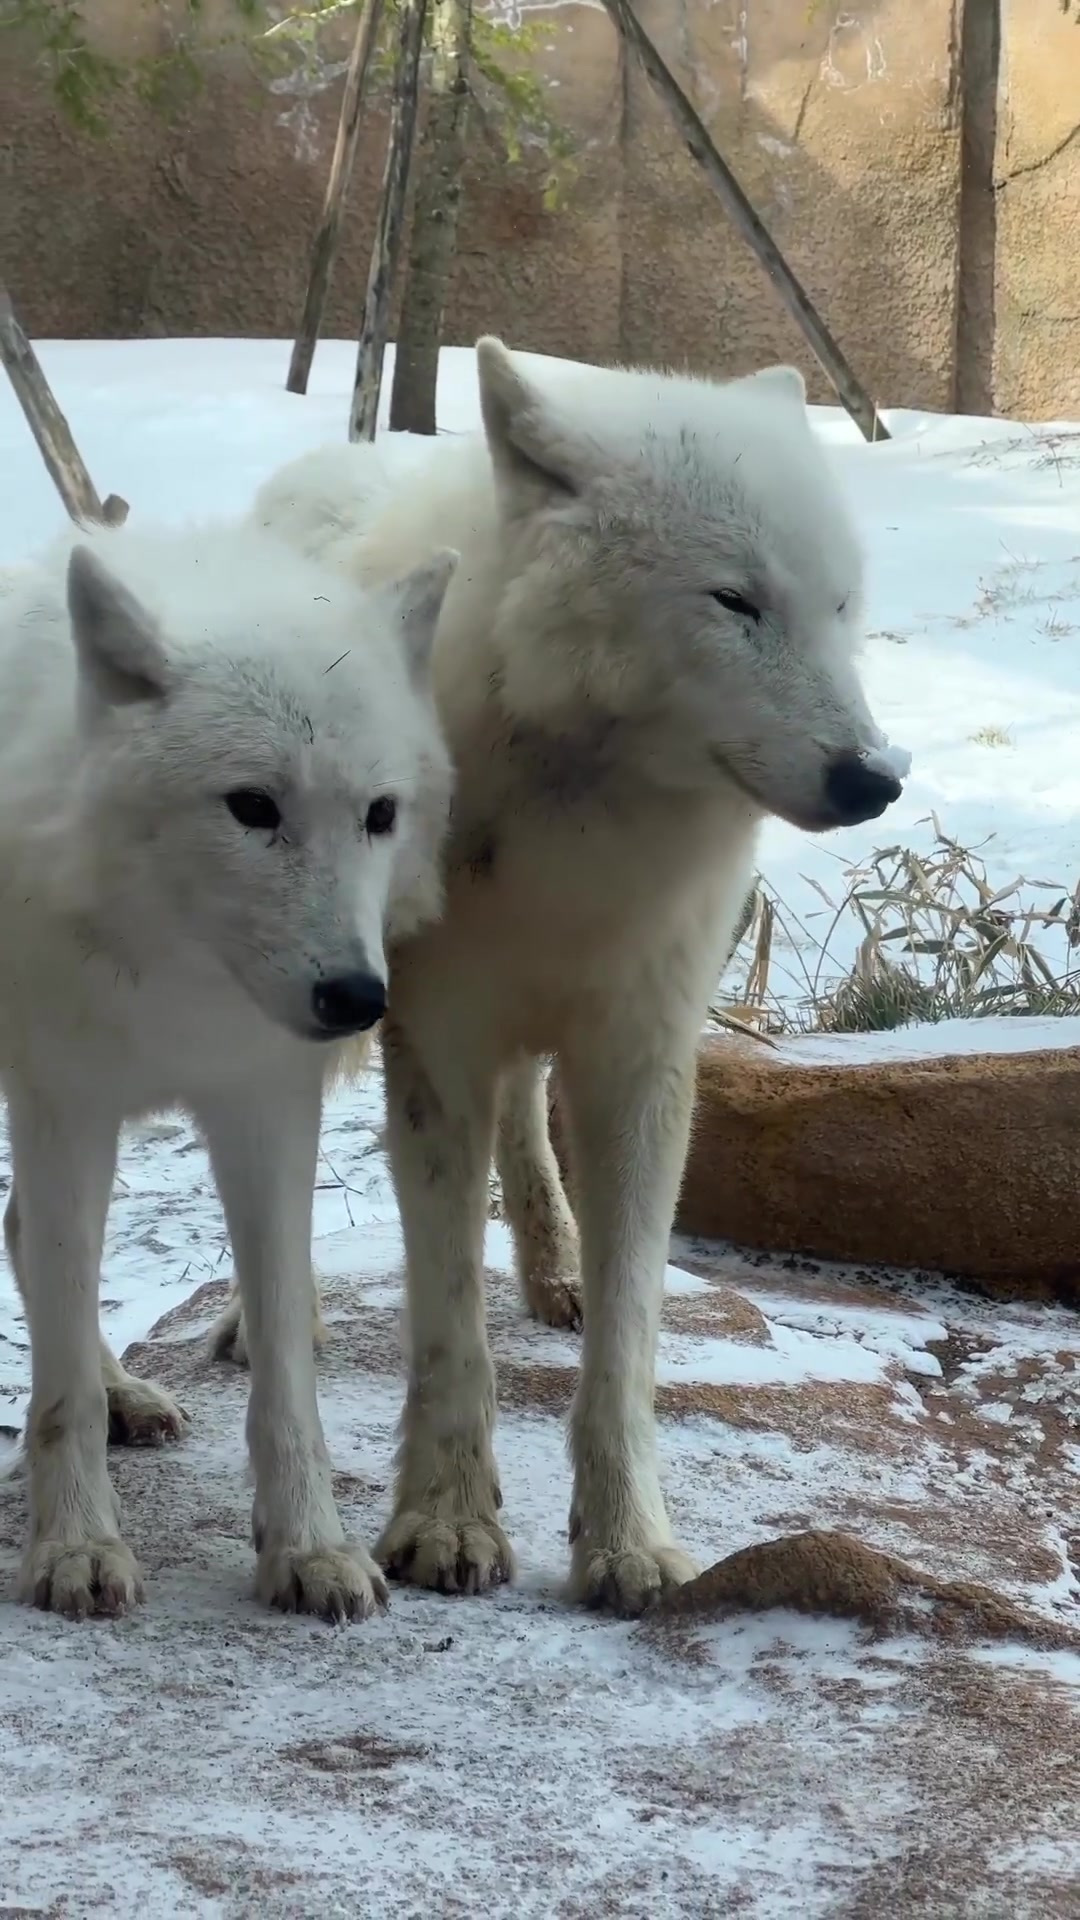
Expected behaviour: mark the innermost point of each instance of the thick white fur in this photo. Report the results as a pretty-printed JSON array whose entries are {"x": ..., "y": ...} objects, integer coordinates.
[
  {"x": 618, "y": 735},
  {"x": 154, "y": 952}
]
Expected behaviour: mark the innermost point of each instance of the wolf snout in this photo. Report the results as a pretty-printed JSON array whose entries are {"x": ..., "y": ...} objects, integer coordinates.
[
  {"x": 856, "y": 791},
  {"x": 351, "y": 1003}
]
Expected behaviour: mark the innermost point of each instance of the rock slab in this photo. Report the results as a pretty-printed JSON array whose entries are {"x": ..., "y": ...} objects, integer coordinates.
[{"x": 968, "y": 1165}]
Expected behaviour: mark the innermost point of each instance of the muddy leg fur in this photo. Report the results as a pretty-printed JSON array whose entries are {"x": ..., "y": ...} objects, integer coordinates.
[{"x": 537, "y": 1209}]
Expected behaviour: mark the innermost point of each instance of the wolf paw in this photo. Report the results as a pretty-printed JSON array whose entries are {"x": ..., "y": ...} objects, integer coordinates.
[
  {"x": 337, "y": 1583},
  {"x": 143, "y": 1415},
  {"x": 470, "y": 1555},
  {"x": 630, "y": 1580},
  {"x": 93, "y": 1576},
  {"x": 228, "y": 1336},
  {"x": 555, "y": 1301}
]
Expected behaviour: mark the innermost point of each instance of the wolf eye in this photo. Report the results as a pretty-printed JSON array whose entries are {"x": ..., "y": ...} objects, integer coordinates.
[
  {"x": 381, "y": 815},
  {"x": 253, "y": 809},
  {"x": 735, "y": 603}
]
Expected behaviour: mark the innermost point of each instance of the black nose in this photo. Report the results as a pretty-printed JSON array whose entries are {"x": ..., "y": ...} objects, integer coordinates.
[
  {"x": 856, "y": 792},
  {"x": 349, "y": 1004}
]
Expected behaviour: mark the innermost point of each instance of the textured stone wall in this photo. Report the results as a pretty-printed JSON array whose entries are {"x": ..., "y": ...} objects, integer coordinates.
[
  {"x": 1037, "y": 198},
  {"x": 844, "y": 125}
]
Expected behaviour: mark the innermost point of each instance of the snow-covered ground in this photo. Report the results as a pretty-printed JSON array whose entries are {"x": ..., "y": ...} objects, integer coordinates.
[{"x": 508, "y": 1756}]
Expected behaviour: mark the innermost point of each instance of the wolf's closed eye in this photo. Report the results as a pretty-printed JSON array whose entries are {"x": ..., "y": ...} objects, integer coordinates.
[
  {"x": 737, "y": 603},
  {"x": 254, "y": 810}
]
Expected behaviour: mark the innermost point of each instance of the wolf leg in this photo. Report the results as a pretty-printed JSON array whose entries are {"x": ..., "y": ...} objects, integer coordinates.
[
  {"x": 539, "y": 1215},
  {"x": 444, "y": 1531},
  {"x": 263, "y": 1144},
  {"x": 228, "y": 1335},
  {"x": 64, "y": 1158},
  {"x": 629, "y": 1097}
]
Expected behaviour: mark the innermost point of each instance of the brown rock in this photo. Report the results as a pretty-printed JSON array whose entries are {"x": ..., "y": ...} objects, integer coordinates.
[
  {"x": 831, "y": 1573},
  {"x": 965, "y": 1165}
]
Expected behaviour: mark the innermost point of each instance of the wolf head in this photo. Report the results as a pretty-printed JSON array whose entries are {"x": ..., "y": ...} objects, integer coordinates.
[
  {"x": 261, "y": 776},
  {"x": 687, "y": 569}
]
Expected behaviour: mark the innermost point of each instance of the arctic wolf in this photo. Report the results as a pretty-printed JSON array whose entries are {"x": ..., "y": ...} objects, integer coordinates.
[
  {"x": 647, "y": 647},
  {"x": 222, "y": 788}
]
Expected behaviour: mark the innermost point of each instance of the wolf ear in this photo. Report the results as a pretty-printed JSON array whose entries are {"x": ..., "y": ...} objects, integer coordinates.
[
  {"x": 786, "y": 383},
  {"x": 529, "y": 450},
  {"x": 121, "y": 658},
  {"x": 419, "y": 599}
]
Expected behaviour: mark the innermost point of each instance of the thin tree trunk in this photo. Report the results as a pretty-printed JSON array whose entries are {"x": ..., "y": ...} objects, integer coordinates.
[
  {"x": 50, "y": 429},
  {"x": 328, "y": 233},
  {"x": 435, "y": 219},
  {"x": 979, "y": 62},
  {"x": 387, "y": 247},
  {"x": 793, "y": 295}
]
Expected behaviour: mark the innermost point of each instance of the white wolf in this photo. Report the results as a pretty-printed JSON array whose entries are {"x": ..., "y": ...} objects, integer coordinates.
[
  {"x": 222, "y": 785},
  {"x": 647, "y": 646}
]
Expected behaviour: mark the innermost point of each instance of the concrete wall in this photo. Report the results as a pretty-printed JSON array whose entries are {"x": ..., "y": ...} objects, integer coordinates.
[{"x": 843, "y": 123}]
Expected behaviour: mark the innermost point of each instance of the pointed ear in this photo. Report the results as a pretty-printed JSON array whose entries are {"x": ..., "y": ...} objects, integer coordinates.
[
  {"x": 121, "y": 658},
  {"x": 786, "y": 383},
  {"x": 531, "y": 452},
  {"x": 418, "y": 603}
]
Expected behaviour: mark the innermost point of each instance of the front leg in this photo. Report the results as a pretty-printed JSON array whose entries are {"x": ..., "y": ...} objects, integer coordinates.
[
  {"x": 263, "y": 1145},
  {"x": 444, "y": 1531},
  {"x": 629, "y": 1096},
  {"x": 64, "y": 1156}
]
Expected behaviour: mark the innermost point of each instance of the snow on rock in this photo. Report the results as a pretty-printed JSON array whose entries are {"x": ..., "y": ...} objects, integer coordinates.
[{"x": 934, "y": 1040}]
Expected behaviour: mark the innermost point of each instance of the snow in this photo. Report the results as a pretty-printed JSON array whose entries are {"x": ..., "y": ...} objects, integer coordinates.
[
  {"x": 888, "y": 759},
  {"x": 203, "y": 1759}
]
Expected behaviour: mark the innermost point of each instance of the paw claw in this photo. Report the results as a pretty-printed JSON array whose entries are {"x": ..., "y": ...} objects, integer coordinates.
[
  {"x": 466, "y": 1556},
  {"x": 88, "y": 1577},
  {"x": 627, "y": 1581},
  {"x": 144, "y": 1415},
  {"x": 338, "y": 1584}
]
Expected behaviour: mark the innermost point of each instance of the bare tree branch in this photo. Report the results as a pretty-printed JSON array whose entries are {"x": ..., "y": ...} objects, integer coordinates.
[{"x": 49, "y": 427}]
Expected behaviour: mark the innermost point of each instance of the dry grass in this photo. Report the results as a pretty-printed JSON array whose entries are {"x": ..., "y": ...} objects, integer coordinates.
[
  {"x": 934, "y": 942},
  {"x": 1041, "y": 448}
]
